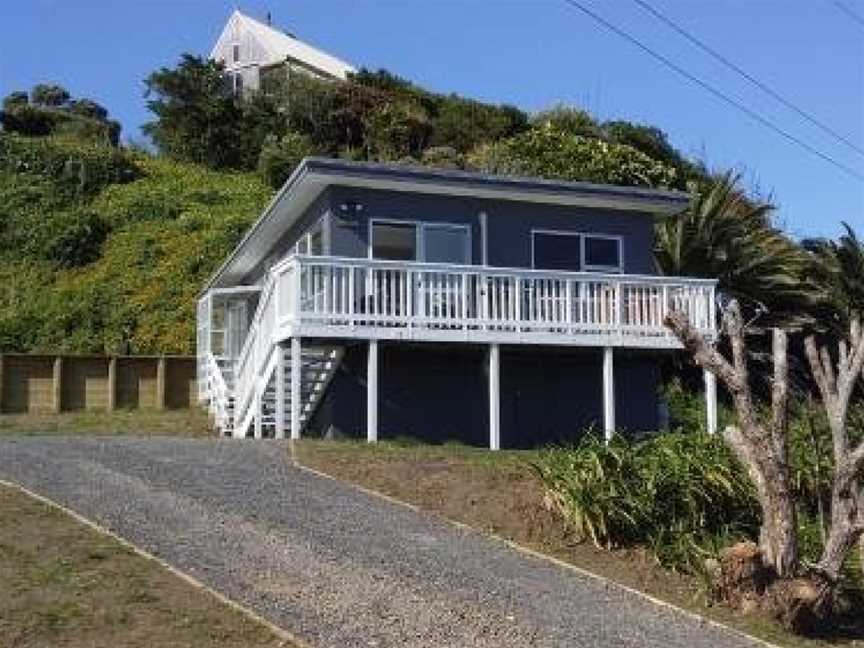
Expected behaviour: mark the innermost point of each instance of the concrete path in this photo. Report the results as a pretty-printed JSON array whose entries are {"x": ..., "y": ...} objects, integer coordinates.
[{"x": 333, "y": 565}]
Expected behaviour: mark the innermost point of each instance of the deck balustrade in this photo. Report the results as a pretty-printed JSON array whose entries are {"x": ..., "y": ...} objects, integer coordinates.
[{"x": 363, "y": 298}]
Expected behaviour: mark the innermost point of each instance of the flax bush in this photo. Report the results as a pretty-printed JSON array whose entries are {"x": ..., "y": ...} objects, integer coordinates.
[{"x": 683, "y": 496}]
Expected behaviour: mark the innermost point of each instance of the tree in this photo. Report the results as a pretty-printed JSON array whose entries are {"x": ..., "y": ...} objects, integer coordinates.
[
  {"x": 760, "y": 441},
  {"x": 15, "y": 100},
  {"x": 396, "y": 130},
  {"x": 197, "y": 118},
  {"x": 838, "y": 268},
  {"x": 88, "y": 108},
  {"x": 836, "y": 378},
  {"x": 279, "y": 157},
  {"x": 53, "y": 96},
  {"x": 650, "y": 140},
  {"x": 726, "y": 235}
]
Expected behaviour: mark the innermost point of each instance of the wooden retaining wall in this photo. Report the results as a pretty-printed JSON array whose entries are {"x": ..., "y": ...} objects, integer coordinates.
[{"x": 58, "y": 383}]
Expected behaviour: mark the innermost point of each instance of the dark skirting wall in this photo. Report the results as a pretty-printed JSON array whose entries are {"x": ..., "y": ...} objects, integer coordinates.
[{"x": 437, "y": 393}]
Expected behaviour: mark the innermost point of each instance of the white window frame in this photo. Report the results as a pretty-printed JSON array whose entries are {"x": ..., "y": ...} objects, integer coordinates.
[
  {"x": 619, "y": 269},
  {"x": 420, "y": 228}
]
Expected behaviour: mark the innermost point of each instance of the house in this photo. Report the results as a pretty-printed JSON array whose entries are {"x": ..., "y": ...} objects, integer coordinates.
[
  {"x": 379, "y": 300},
  {"x": 254, "y": 52}
]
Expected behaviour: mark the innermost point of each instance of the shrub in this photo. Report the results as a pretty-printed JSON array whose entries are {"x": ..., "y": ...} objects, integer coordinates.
[
  {"x": 568, "y": 119},
  {"x": 550, "y": 153},
  {"x": 45, "y": 94},
  {"x": 69, "y": 239},
  {"x": 279, "y": 157},
  {"x": 682, "y": 495},
  {"x": 76, "y": 168}
]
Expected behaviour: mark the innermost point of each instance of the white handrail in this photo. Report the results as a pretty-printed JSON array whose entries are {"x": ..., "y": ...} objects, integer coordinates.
[
  {"x": 452, "y": 267},
  {"x": 220, "y": 392},
  {"x": 364, "y": 293},
  {"x": 255, "y": 351}
]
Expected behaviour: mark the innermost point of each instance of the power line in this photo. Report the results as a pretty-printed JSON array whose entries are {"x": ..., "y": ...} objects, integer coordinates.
[
  {"x": 714, "y": 91},
  {"x": 854, "y": 16},
  {"x": 766, "y": 89}
]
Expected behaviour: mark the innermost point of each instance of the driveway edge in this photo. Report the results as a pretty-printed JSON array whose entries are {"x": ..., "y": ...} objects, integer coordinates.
[
  {"x": 606, "y": 582},
  {"x": 286, "y": 636}
]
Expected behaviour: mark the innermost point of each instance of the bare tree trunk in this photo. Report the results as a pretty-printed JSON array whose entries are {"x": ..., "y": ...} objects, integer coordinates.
[
  {"x": 847, "y": 523},
  {"x": 861, "y": 554},
  {"x": 836, "y": 385},
  {"x": 762, "y": 448}
]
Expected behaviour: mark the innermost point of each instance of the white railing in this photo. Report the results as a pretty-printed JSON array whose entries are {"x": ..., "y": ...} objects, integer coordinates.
[
  {"x": 341, "y": 296},
  {"x": 219, "y": 393},
  {"x": 361, "y": 298},
  {"x": 254, "y": 358}
]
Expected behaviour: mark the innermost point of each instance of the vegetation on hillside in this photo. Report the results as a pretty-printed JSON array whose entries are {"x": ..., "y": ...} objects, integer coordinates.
[
  {"x": 51, "y": 110},
  {"x": 104, "y": 250}
]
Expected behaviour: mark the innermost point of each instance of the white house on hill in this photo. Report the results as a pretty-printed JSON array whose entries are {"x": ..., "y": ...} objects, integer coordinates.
[{"x": 252, "y": 50}]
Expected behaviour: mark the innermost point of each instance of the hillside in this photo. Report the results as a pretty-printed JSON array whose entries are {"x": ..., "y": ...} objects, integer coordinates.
[{"x": 104, "y": 250}]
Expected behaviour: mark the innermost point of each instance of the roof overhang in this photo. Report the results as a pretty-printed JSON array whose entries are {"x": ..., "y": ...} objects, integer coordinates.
[{"x": 314, "y": 175}]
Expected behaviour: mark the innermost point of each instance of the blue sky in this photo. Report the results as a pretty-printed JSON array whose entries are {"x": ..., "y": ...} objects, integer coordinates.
[{"x": 532, "y": 53}]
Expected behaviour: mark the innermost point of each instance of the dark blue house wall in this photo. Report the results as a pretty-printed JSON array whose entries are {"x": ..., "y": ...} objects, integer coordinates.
[
  {"x": 315, "y": 212},
  {"x": 437, "y": 393},
  {"x": 509, "y": 224}
]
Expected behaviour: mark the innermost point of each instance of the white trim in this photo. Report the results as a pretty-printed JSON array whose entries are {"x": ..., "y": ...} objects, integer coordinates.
[
  {"x": 608, "y": 393},
  {"x": 496, "y": 270},
  {"x": 710, "y": 402},
  {"x": 372, "y": 392},
  {"x": 296, "y": 387},
  {"x": 494, "y": 360},
  {"x": 583, "y": 267},
  {"x": 279, "y": 428}
]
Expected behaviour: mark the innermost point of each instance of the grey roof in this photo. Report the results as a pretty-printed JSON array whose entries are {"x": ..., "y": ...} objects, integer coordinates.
[
  {"x": 314, "y": 174},
  {"x": 529, "y": 185}
]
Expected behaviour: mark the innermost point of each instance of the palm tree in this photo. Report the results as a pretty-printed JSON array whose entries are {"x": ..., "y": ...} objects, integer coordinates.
[
  {"x": 730, "y": 237},
  {"x": 838, "y": 268}
]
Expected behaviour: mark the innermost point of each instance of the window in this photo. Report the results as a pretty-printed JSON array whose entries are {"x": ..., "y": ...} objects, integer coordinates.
[
  {"x": 554, "y": 251},
  {"x": 602, "y": 253},
  {"x": 218, "y": 326},
  {"x": 316, "y": 241},
  {"x": 575, "y": 251},
  {"x": 446, "y": 244},
  {"x": 236, "y": 53},
  {"x": 394, "y": 241}
]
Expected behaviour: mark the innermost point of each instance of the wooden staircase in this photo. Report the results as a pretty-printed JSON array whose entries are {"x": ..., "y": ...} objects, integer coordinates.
[{"x": 319, "y": 364}]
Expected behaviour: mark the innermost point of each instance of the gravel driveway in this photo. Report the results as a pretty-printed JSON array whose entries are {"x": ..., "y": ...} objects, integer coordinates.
[{"x": 333, "y": 565}]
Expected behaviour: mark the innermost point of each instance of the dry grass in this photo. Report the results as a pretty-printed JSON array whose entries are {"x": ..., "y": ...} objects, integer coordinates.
[
  {"x": 145, "y": 422},
  {"x": 64, "y": 584},
  {"x": 498, "y": 493}
]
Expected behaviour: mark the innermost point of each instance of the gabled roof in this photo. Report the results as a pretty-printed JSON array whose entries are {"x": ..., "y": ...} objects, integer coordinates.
[
  {"x": 278, "y": 46},
  {"x": 314, "y": 175}
]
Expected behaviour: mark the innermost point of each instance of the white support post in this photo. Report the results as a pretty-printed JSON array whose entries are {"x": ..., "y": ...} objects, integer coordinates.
[
  {"x": 279, "y": 430},
  {"x": 608, "y": 394},
  {"x": 711, "y": 402},
  {"x": 372, "y": 393},
  {"x": 258, "y": 404},
  {"x": 494, "y": 397},
  {"x": 296, "y": 377}
]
